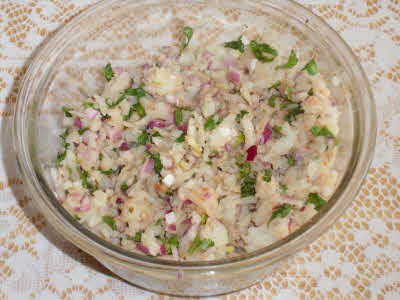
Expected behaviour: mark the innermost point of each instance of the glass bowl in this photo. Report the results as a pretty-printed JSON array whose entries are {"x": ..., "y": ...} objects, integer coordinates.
[{"x": 68, "y": 68}]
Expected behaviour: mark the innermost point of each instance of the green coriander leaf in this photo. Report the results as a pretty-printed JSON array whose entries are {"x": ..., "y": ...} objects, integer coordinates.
[
  {"x": 311, "y": 67},
  {"x": 219, "y": 199},
  {"x": 138, "y": 92},
  {"x": 281, "y": 211},
  {"x": 204, "y": 218},
  {"x": 124, "y": 187},
  {"x": 277, "y": 131},
  {"x": 291, "y": 160},
  {"x": 78, "y": 218},
  {"x": 129, "y": 114},
  {"x": 82, "y": 130},
  {"x": 288, "y": 93},
  {"x": 108, "y": 72},
  {"x": 159, "y": 221},
  {"x": 110, "y": 222},
  {"x": 210, "y": 123},
  {"x": 241, "y": 114},
  {"x": 267, "y": 175},
  {"x": 240, "y": 139},
  {"x": 292, "y": 113},
  {"x": 178, "y": 117},
  {"x": 100, "y": 156},
  {"x": 292, "y": 61},
  {"x": 137, "y": 237},
  {"x": 139, "y": 110},
  {"x": 336, "y": 142},
  {"x": 284, "y": 187},
  {"x": 219, "y": 121},
  {"x": 259, "y": 50},
  {"x": 188, "y": 33},
  {"x": 88, "y": 104},
  {"x": 181, "y": 138},
  {"x": 143, "y": 138},
  {"x": 107, "y": 172},
  {"x": 237, "y": 45},
  {"x": 310, "y": 92},
  {"x": 316, "y": 200},
  {"x": 276, "y": 85},
  {"x": 158, "y": 166},
  {"x": 60, "y": 158},
  {"x": 271, "y": 100},
  {"x": 321, "y": 131},
  {"x": 66, "y": 111},
  {"x": 174, "y": 241},
  {"x": 206, "y": 243},
  {"x": 119, "y": 100},
  {"x": 195, "y": 245},
  {"x": 187, "y": 108}
]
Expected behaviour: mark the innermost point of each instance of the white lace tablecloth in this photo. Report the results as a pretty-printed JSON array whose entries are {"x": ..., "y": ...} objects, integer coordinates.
[{"x": 359, "y": 258}]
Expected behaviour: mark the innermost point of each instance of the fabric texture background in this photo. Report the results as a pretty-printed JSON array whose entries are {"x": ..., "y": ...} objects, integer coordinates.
[{"x": 358, "y": 258}]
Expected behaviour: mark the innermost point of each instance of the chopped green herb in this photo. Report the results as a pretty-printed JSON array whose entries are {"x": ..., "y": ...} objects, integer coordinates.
[
  {"x": 288, "y": 93},
  {"x": 316, "y": 200},
  {"x": 107, "y": 172},
  {"x": 281, "y": 211},
  {"x": 181, "y": 138},
  {"x": 82, "y": 130},
  {"x": 138, "y": 92},
  {"x": 159, "y": 221},
  {"x": 247, "y": 187},
  {"x": 88, "y": 104},
  {"x": 108, "y": 72},
  {"x": 209, "y": 163},
  {"x": 310, "y": 92},
  {"x": 188, "y": 33},
  {"x": 241, "y": 114},
  {"x": 271, "y": 100},
  {"x": 237, "y": 45},
  {"x": 219, "y": 121},
  {"x": 204, "y": 218},
  {"x": 78, "y": 218},
  {"x": 178, "y": 116},
  {"x": 210, "y": 123},
  {"x": 64, "y": 137},
  {"x": 60, "y": 157},
  {"x": 202, "y": 244},
  {"x": 124, "y": 187},
  {"x": 276, "y": 85},
  {"x": 137, "y": 237},
  {"x": 259, "y": 50},
  {"x": 115, "y": 149},
  {"x": 219, "y": 199},
  {"x": 291, "y": 160},
  {"x": 311, "y": 67},
  {"x": 158, "y": 166},
  {"x": 240, "y": 139},
  {"x": 66, "y": 111},
  {"x": 143, "y": 138},
  {"x": 284, "y": 187},
  {"x": 114, "y": 104},
  {"x": 100, "y": 156},
  {"x": 292, "y": 113},
  {"x": 277, "y": 131},
  {"x": 139, "y": 110},
  {"x": 267, "y": 175},
  {"x": 110, "y": 222},
  {"x": 174, "y": 241},
  {"x": 292, "y": 61},
  {"x": 321, "y": 131}
]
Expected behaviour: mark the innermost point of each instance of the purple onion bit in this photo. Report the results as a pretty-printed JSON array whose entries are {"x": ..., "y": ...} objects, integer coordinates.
[
  {"x": 142, "y": 248},
  {"x": 251, "y": 153}
]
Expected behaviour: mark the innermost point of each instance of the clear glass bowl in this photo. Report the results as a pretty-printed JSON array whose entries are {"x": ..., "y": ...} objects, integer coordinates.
[{"x": 68, "y": 68}]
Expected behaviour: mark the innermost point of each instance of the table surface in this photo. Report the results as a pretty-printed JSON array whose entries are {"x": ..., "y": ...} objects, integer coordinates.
[{"x": 359, "y": 258}]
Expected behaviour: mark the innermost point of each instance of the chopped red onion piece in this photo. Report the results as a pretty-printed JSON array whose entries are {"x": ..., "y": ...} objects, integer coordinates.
[
  {"x": 276, "y": 206},
  {"x": 142, "y": 248},
  {"x": 124, "y": 146},
  {"x": 85, "y": 204},
  {"x": 157, "y": 124},
  {"x": 148, "y": 166},
  {"x": 183, "y": 127},
  {"x": 148, "y": 146},
  {"x": 251, "y": 153},
  {"x": 78, "y": 122},
  {"x": 302, "y": 208},
  {"x": 186, "y": 202},
  {"x": 180, "y": 274},
  {"x": 228, "y": 62},
  {"x": 118, "y": 70},
  {"x": 163, "y": 250},
  {"x": 234, "y": 76},
  {"x": 265, "y": 135},
  {"x": 172, "y": 227},
  {"x": 188, "y": 221},
  {"x": 117, "y": 135}
]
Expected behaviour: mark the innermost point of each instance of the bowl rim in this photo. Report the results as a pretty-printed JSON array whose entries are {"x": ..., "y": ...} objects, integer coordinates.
[{"x": 82, "y": 237}]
